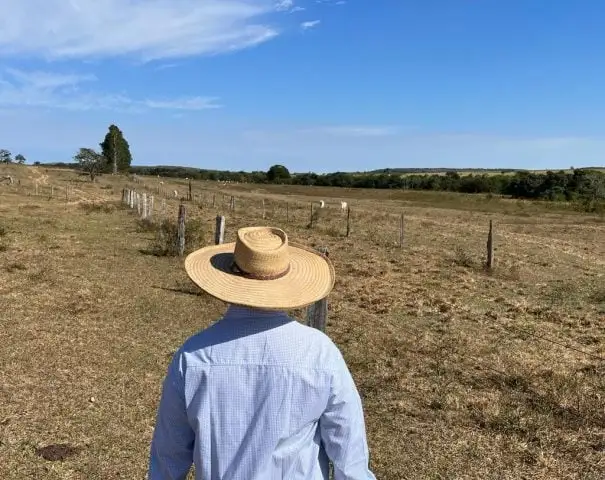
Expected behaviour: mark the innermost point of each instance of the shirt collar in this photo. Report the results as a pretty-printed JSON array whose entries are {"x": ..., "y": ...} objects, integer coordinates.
[{"x": 242, "y": 312}]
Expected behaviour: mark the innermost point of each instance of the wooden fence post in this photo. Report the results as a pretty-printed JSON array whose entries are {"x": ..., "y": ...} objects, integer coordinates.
[
  {"x": 348, "y": 221},
  {"x": 311, "y": 220},
  {"x": 52, "y": 191},
  {"x": 263, "y": 208},
  {"x": 181, "y": 230},
  {"x": 213, "y": 200},
  {"x": 144, "y": 206},
  {"x": 131, "y": 200},
  {"x": 401, "y": 231},
  {"x": 490, "y": 247},
  {"x": 190, "y": 195},
  {"x": 150, "y": 211},
  {"x": 232, "y": 202},
  {"x": 139, "y": 203},
  {"x": 219, "y": 231},
  {"x": 317, "y": 313}
]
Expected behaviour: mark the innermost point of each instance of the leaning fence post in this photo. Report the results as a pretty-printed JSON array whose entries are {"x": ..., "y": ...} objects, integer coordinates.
[
  {"x": 490, "y": 247},
  {"x": 317, "y": 313},
  {"x": 219, "y": 231},
  {"x": 181, "y": 230},
  {"x": 401, "y": 231}
]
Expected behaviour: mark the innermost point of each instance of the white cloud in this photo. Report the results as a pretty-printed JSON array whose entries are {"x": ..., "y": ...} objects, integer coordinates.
[
  {"x": 283, "y": 5},
  {"x": 310, "y": 24},
  {"x": 19, "y": 88},
  {"x": 145, "y": 29}
]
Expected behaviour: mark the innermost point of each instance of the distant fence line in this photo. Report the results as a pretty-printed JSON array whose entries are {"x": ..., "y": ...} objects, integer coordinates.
[{"x": 144, "y": 204}]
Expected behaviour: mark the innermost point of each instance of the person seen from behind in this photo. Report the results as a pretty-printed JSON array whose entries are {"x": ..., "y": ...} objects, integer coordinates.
[{"x": 257, "y": 395}]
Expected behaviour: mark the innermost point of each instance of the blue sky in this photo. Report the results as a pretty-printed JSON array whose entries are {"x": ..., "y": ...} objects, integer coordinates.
[{"x": 316, "y": 85}]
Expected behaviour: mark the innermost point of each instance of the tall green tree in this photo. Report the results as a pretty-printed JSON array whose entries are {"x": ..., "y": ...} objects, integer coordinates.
[
  {"x": 116, "y": 151},
  {"x": 20, "y": 159}
]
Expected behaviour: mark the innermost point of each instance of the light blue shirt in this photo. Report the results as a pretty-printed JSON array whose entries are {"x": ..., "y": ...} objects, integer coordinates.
[{"x": 259, "y": 396}]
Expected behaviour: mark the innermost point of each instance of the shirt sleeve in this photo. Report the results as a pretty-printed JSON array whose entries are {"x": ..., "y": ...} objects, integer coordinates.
[
  {"x": 171, "y": 453},
  {"x": 342, "y": 428}
]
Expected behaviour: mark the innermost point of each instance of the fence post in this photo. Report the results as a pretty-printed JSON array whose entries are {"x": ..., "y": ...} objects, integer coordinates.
[
  {"x": 490, "y": 247},
  {"x": 263, "y": 208},
  {"x": 131, "y": 199},
  {"x": 190, "y": 195},
  {"x": 181, "y": 230},
  {"x": 317, "y": 313},
  {"x": 52, "y": 191},
  {"x": 139, "y": 203},
  {"x": 213, "y": 199},
  {"x": 348, "y": 221},
  {"x": 219, "y": 231},
  {"x": 311, "y": 220},
  {"x": 144, "y": 206},
  {"x": 150, "y": 211},
  {"x": 232, "y": 202},
  {"x": 401, "y": 231}
]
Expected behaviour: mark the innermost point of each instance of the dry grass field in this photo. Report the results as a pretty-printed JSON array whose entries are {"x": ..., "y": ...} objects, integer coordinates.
[{"x": 464, "y": 373}]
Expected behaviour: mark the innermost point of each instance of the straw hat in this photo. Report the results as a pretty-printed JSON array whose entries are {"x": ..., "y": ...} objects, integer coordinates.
[{"x": 261, "y": 269}]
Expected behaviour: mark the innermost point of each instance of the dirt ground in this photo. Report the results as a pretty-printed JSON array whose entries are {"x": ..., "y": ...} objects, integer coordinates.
[{"x": 464, "y": 373}]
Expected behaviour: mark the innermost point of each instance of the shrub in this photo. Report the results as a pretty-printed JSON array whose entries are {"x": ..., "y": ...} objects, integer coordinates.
[
  {"x": 165, "y": 242},
  {"x": 102, "y": 207}
]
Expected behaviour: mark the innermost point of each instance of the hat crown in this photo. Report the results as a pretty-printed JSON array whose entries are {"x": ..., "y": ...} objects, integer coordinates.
[{"x": 262, "y": 251}]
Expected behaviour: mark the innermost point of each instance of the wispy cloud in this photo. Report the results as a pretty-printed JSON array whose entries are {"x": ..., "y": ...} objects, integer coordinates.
[
  {"x": 145, "y": 29},
  {"x": 284, "y": 5},
  {"x": 20, "y": 88},
  {"x": 310, "y": 24},
  {"x": 355, "y": 130}
]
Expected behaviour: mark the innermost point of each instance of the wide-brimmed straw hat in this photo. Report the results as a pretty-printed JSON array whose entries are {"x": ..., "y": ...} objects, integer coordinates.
[{"x": 262, "y": 269}]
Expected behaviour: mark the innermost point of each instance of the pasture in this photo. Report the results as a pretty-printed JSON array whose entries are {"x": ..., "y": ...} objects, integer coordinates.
[{"x": 464, "y": 373}]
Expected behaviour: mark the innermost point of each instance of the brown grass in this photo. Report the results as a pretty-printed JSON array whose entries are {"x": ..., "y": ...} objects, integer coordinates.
[{"x": 464, "y": 373}]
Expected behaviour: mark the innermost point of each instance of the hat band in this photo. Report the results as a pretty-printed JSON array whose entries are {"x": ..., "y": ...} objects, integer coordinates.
[{"x": 255, "y": 276}]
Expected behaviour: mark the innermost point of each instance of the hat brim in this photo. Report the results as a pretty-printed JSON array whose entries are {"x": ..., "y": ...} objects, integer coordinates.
[{"x": 310, "y": 278}]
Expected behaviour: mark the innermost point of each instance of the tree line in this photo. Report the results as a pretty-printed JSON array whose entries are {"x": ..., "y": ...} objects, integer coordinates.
[{"x": 584, "y": 185}]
